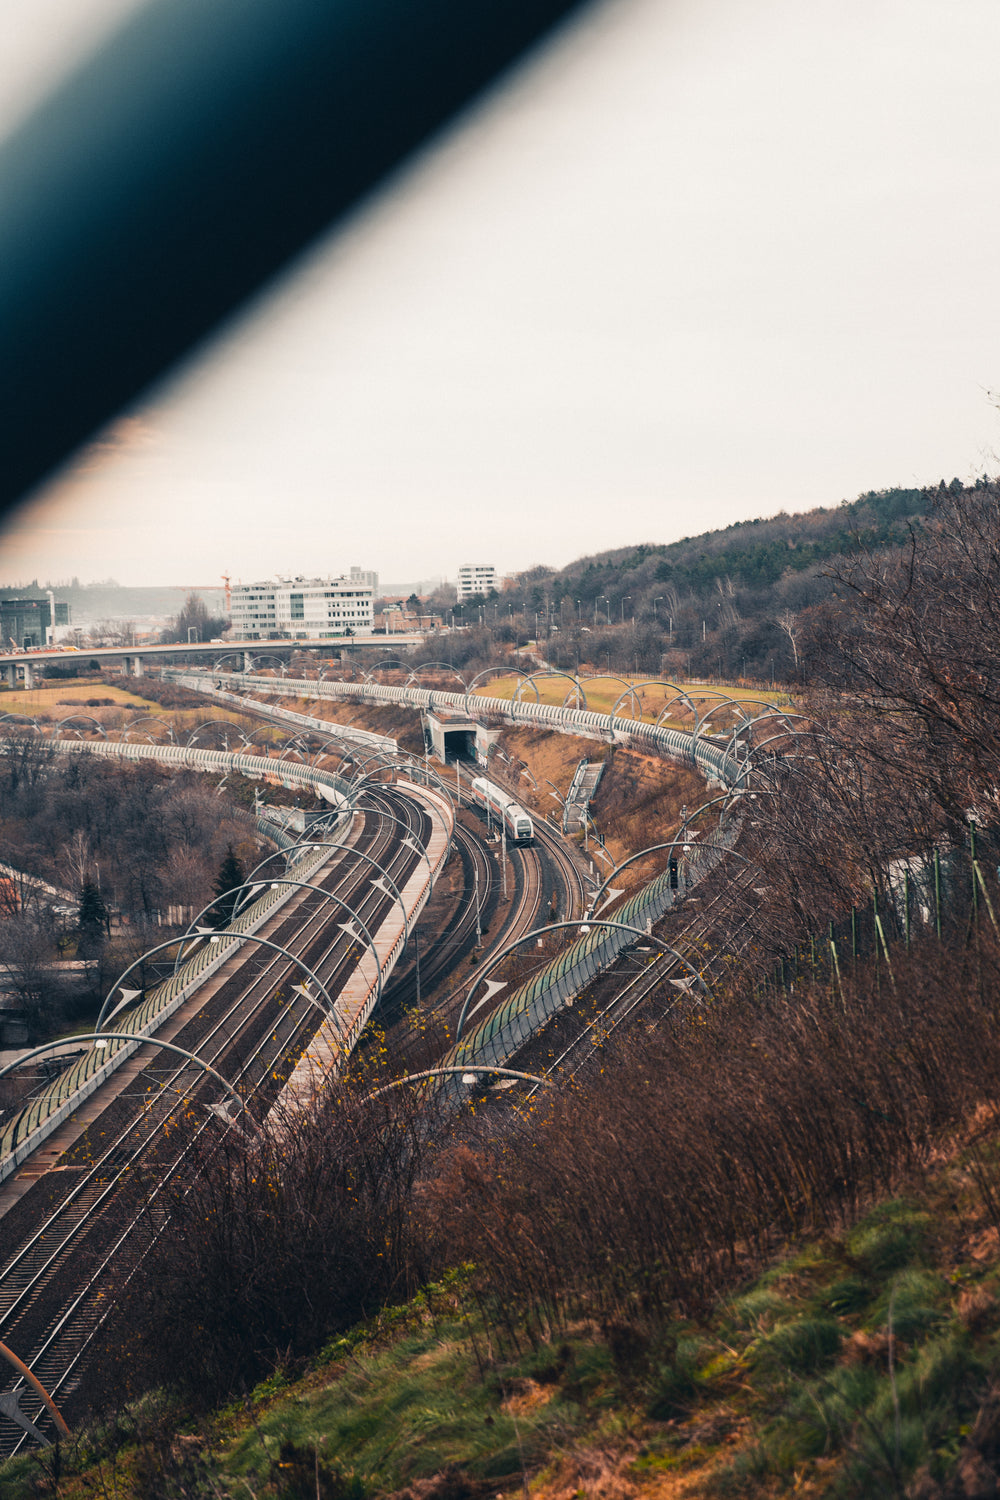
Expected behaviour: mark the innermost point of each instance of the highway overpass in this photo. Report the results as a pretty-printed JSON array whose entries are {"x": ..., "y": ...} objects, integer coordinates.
[{"x": 24, "y": 664}]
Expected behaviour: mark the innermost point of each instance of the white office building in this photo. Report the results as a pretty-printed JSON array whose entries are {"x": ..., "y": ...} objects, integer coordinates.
[
  {"x": 301, "y": 609},
  {"x": 476, "y": 578}
]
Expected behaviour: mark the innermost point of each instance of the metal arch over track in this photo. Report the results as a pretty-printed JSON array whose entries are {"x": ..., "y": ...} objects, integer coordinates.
[
  {"x": 578, "y": 924},
  {"x": 400, "y": 762},
  {"x": 429, "y": 665},
  {"x": 394, "y": 890},
  {"x": 226, "y": 936},
  {"x": 81, "y": 719},
  {"x": 677, "y": 744},
  {"x": 531, "y": 680},
  {"x": 148, "y": 719},
  {"x": 505, "y": 671},
  {"x": 671, "y": 844},
  {"x": 680, "y": 694},
  {"x": 381, "y": 666},
  {"x": 342, "y": 742},
  {"x": 101, "y": 1038},
  {"x": 239, "y": 656},
  {"x": 278, "y": 664}
]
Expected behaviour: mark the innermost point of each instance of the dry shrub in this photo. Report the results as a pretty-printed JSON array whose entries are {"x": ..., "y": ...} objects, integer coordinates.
[
  {"x": 700, "y": 1149},
  {"x": 275, "y": 1242}
]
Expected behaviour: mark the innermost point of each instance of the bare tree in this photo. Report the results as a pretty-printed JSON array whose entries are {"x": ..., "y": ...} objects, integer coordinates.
[
  {"x": 78, "y": 858},
  {"x": 789, "y": 623},
  {"x": 113, "y": 632},
  {"x": 26, "y": 956}
]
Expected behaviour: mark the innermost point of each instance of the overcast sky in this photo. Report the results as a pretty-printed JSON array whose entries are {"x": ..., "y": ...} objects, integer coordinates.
[{"x": 701, "y": 261}]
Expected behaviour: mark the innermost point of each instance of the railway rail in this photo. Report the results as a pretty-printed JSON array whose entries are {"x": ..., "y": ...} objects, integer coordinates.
[
  {"x": 88, "y": 1213},
  {"x": 618, "y": 999},
  {"x": 91, "y": 1208}
]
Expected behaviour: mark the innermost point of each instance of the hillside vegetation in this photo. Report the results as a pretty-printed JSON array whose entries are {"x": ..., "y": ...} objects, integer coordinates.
[
  {"x": 754, "y": 1255},
  {"x": 726, "y": 603}
]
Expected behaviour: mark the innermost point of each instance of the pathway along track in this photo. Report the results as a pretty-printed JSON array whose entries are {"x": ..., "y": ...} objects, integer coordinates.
[{"x": 62, "y": 1238}]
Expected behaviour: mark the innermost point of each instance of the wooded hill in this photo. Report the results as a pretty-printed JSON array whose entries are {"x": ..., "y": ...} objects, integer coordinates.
[{"x": 715, "y": 600}]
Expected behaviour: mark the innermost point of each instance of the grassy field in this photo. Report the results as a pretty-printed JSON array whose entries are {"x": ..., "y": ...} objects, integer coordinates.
[
  {"x": 51, "y": 696},
  {"x": 110, "y": 705}
]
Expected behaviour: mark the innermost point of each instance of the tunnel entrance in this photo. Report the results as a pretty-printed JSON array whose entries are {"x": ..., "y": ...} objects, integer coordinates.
[{"x": 452, "y": 734}]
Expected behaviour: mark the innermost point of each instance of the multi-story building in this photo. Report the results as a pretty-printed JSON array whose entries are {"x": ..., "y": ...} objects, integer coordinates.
[
  {"x": 301, "y": 609},
  {"x": 366, "y": 576},
  {"x": 475, "y": 578},
  {"x": 29, "y": 622}
]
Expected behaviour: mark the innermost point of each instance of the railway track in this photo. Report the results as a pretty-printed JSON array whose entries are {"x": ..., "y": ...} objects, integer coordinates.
[
  {"x": 618, "y": 998},
  {"x": 540, "y": 872},
  {"x": 79, "y": 1225},
  {"x": 455, "y": 939},
  {"x": 94, "y": 1223}
]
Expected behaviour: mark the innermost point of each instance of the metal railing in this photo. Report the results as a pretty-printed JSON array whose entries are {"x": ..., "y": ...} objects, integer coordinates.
[{"x": 717, "y": 764}]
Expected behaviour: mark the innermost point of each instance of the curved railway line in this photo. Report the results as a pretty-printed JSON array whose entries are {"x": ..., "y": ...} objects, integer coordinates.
[
  {"x": 539, "y": 874},
  {"x": 617, "y": 998},
  {"x": 86, "y": 1213},
  {"x": 66, "y": 1226}
]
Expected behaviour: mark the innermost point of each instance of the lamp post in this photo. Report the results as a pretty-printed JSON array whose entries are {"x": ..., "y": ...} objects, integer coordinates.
[
  {"x": 656, "y": 601},
  {"x": 558, "y": 797},
  {"x": 625, "y": 598}
]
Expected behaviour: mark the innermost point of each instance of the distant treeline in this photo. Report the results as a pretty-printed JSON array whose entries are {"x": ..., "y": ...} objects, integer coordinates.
[{"x": 727, "y": 602}]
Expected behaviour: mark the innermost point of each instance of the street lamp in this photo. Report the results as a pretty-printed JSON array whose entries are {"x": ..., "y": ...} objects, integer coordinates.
[
  {"x": 599, "y": 598},
  {"x": 625, "y": 597},
  {"x": 656, "y": 601}
]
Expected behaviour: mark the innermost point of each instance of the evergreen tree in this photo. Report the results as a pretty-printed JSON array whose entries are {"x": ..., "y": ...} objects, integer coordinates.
[
  {"x": 229, "y": 877},
  {"x": 91, "y": 920}
]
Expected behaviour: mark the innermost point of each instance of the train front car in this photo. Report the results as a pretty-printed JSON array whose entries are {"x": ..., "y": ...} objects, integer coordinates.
[
  {"x": 499, "y": 806},
  {"x": 520, "y": 829}
]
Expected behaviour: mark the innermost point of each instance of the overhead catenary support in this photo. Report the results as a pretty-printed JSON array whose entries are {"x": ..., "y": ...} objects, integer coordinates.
[
  {"x": 109, "y": 1009},
  {"x": 579, "y": 925}
]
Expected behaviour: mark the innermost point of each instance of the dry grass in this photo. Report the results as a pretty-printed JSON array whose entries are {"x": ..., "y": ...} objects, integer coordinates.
[
  {"x": 638, "y": 801},
  {"x": 400, "y": 723},
  {"x": 55, "y": 699},
  {"x": 604, "y": 692}
]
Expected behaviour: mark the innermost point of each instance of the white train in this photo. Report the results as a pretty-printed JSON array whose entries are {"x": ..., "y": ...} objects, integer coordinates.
[{"x": 501, "y": 807}]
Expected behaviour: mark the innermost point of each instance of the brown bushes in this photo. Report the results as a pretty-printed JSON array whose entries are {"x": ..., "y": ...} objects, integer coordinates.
[
  {"x": 698, "y": 1151},
  {"x": 279, "y": 1241},
  {"x": 674, "y": 1173}
]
